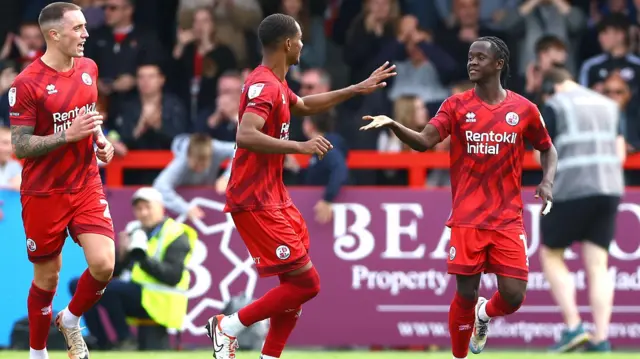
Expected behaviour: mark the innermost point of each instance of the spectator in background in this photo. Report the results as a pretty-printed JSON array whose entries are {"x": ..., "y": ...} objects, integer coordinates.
[
  {"x": 197, "y": 160},
  {"x": 412, "y": 113},
  {"x": 10, "y": 169},
  {"x": 7, "y": 75},
  {"x": 313, "y": 36},
  {"x": 93, "y": 12},
  {"x": 236, "y": 22},
  {"x": 25, "y": 46},
  {"x": 200, "y": 59},
  {"x": 490, "y": 12},
  {"x": 118, "y": 48},
  {"x": 584, "y": 127},
  {"x": 369, "y": 32},
  {"x": 159, "y": 249},
  {"x": 330, "y": 171},
  {"x": 613, "y": 36},
  {"x": 423, "y": 67},
  {"x": 154, "y": 118},
  {"x": 535, "y": 18},
  {"x": 312, "y": 82},
  {"x": 618, "y": 90},
  {"x": 221, "y": 121},
  {"x": 550, "y": 52},
  {"x": 464, "y": 30}
]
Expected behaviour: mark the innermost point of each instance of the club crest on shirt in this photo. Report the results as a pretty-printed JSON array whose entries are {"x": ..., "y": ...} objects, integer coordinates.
[
  {"x": 512, "y": 118},
  {"x": 31, "y": 245},
  {"x": 86, "y": 78},
  {"x": 283, "y": 252},
  {"x": 12, "y": 96},
  {"x": 254, "y": 91}
]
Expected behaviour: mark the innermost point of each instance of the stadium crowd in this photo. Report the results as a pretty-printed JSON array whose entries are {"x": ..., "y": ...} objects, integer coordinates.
[{"x": 177, "y": 69}]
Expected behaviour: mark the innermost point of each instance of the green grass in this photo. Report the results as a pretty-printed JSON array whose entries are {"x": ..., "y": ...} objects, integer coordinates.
[{"x": 325, "y": 355}]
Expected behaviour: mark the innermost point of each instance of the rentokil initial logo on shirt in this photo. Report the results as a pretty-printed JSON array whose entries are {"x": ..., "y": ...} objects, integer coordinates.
[
  {"x": 488, "y": 143},
  {"x": 62, "y": 120}
]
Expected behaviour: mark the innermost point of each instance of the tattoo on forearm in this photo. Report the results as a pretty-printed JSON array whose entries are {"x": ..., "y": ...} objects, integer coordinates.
[{"x": 25, "y": 144}]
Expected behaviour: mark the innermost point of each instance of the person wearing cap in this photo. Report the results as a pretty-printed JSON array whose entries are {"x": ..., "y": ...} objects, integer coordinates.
[
  {"x": 157, "y": 249},
  {"x": 197, "y": 160}
]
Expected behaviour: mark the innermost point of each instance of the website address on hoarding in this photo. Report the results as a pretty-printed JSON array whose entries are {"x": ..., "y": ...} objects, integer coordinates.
[{"x": 502, "y": 329}]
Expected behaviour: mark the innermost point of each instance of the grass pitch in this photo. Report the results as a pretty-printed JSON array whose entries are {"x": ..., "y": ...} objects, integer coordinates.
[{"x": 326, "y": 355}]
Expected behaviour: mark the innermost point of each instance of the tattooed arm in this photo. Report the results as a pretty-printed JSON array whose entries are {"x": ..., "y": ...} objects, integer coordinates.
[{"x": 25, "y": 144}]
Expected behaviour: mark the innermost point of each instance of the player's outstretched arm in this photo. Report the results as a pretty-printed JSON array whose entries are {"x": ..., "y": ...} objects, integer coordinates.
[
  {"x": 250, "y": 137},
  {"x": 25, "y": 144},
  {"x": 313, "y": 104},
  {"x": 418, "y": 141}
]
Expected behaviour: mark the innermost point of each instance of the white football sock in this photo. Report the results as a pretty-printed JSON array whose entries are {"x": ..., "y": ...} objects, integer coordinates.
[
  {"x": 38, "y": 354},
  {"x": 262, "y": 356},
  {"x": 459, "y": 358},
  {"x": 482, "y": 312},
  {"x": 231, "y": 325},
  {"x": 69, "y": 320}
]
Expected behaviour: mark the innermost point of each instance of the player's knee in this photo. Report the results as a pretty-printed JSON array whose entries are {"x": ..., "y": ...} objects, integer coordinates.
[
  {"x": 312, "y": 285},
  {"x": 101, "y": 268},
  {"x": 47, "y": 280},
  {"x": 513, "y": 296},
  {"x": 307, "y": 284}
]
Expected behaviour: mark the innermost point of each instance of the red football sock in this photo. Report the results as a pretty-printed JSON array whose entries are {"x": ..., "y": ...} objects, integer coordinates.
[
  {"x": 461, "y": 318},
  {"x": 87, "y": 294},
  {"x": 498, "y": 307},
  {"x": 290, "y": 294},
  {"x": 39, "y": 308},
  {"x": 281, "y": 326}
]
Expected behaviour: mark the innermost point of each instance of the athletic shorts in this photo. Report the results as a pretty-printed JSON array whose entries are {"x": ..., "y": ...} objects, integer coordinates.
[
  {"x": 277, "y": 239},
  {"x": 48, "y": 219},
  {"x": 590, "y": 219},
  {"x": 503, "y": 252}
]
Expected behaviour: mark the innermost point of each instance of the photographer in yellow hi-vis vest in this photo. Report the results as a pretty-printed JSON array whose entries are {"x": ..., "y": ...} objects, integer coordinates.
[{"x": 156, "y": 249}]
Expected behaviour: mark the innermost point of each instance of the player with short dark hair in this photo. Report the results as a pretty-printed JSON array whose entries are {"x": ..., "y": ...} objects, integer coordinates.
[
  {"x": 54, "y": 127},
  {"x": 270, "y": 225},
  {"x": 488, "y": 126}
]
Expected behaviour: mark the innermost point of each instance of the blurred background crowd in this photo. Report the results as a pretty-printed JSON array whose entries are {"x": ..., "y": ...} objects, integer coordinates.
[{"x": 172, "y": 68}]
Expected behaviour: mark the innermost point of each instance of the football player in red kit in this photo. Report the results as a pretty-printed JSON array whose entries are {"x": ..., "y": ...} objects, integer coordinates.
[
  {"x": 54, "y": 127},
  {"x": 488, "y": 126},
  {"x": 270, "y": 225}
]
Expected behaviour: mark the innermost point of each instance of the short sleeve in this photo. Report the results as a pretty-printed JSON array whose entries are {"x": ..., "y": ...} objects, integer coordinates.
[
  {"x": 22, "y": 104},
  {"x": 443, "y": 119},
  {"x": 293, "y": 98},
  {"x": 536, "y": 131},
  {"x": 260, "y": 99}
]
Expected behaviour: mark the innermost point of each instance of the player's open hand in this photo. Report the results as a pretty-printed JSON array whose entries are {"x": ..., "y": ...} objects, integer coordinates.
[
  {"x": 105, "y": 149},
  {"x": 318, "y": 146},
  {"x": 83, "y": 125},
  {"x": 544, "y": 191},
  {"x": 376, "y": 80},
  {"x": 376, "y": 122}
]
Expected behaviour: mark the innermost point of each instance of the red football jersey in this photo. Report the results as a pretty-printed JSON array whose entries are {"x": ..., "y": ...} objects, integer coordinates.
[
  {"x": 49, "y": 100},
  {"x": 256, "y": 178},
  {"x": 487, "y": 150}
]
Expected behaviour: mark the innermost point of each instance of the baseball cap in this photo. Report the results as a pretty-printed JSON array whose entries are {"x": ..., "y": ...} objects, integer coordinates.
[{"x": 149, "y": 194}]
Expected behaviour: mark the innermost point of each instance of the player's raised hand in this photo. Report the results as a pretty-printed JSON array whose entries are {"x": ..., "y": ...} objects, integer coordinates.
[
  {"x": 83, "y": 125},
  {"x": 377, "y": 79},
  {"x": 545, "y": 193},
  {"x": 105, "y": 149},
  {"x": 376, "y": 122},
  {"x": 318, "y": 146}
]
